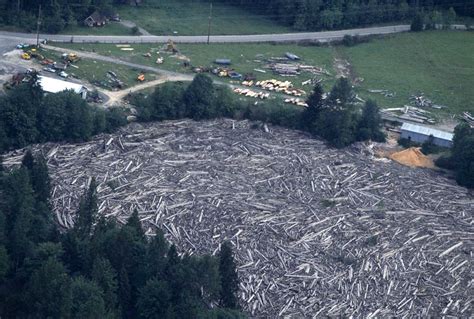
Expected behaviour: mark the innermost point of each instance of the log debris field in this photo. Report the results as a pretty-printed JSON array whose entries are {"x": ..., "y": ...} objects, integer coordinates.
[{"x": 316, "y": 232}]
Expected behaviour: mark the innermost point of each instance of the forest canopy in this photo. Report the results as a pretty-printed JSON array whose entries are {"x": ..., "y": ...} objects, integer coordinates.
[{"x": 298, "y": 14}]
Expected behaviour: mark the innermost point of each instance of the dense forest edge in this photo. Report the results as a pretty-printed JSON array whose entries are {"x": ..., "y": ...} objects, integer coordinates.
[
  {"x": 27, "y": 116},
  {"x": 99, "y": 268},
  {"x": 300, "y": 15}
]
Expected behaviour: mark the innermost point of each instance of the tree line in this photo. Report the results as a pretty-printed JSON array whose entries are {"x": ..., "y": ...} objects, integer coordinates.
[
  {"x": 461, "y": 157},
  {"x": 98, "y": 269},
  {"x": 301, "y": 15},
  {"x": 335, "y": 118},
  {"x": 56, "y": 14},
  {"x": 28, "y": 116},
  {"x": 316, "y": 15}
]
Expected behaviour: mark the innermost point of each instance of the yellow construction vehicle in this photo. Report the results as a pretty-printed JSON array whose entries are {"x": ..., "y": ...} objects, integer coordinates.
[
  {"x": 171, "y": 47},
  {"x": 25, "y": 56},
  {"x": 70, "y": 57},
  {"x": 34, "y": 54}
]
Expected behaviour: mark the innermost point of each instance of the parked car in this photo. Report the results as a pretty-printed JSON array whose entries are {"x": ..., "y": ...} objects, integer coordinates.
[
  {"x": 63, "y": 74},
  {"x": 49, "y": 69}
]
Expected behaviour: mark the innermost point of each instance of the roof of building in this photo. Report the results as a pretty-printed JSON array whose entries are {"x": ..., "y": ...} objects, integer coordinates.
[
  {"x": 427, "y": 131},
  {"x": 97, "y": 17},
  {"x": 52, "y": 85}
]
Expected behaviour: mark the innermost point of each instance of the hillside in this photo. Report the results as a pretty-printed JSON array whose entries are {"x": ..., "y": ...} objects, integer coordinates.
[{"x": 317, "y": 231}]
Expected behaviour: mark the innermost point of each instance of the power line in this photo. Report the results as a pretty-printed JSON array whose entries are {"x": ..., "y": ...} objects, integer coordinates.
[{"x": 38, "y": 23}]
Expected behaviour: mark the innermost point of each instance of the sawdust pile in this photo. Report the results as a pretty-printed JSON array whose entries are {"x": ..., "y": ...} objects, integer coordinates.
[{"x": 412, "y": 157}]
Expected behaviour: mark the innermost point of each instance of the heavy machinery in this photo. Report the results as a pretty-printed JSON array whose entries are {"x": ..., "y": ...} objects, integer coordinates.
[
  {"x": 70, "y": 57},
  {"x": 25, "y": 56},
  {"x": 171, "y": 47},
  {"x": 35, "y": 54}
]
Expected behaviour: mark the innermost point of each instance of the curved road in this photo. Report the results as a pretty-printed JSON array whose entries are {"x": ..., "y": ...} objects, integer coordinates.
[{"x": 323, "y": 36}]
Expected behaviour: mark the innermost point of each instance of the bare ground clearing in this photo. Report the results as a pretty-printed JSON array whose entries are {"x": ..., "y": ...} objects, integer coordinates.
[{"x": 317, "y": 232}]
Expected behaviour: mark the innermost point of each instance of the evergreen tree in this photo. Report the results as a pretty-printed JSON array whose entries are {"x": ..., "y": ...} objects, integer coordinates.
[
  {"x": 337, "y": 126},
  {"x": 125, "y": 294},
  {"x": 417, "y": 23},
  {"x": 199, "y": 98},
  {"x": 87, "y": 212},
  {"x": 156, "y": 255},
  {"x": 49, "y": 291},
  {"x": 370, "y": 123},
  {"x": 104, "y": 275},
  {"x": 28, "y": 160},
  {"x": 155, "y": 300},
  {"x": 341, "y": 92},
  {"x": 135, "y": 226},
  {"x": 52, "y": 119},
  {"x": 19, "y": 203},
  {"x": 464, "y": 158},
  {"x": 229, "y": 278},
  {"x": 315, "y": 104},
  {"x": 40, "y": 180},
  {"x": 87, "y": 301},
  {"x": 4, "y": 262}
]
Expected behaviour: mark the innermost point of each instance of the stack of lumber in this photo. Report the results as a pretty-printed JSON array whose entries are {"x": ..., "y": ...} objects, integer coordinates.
[
  {"x": 250, "y": 93},
  {"x": 285, "y": 87},
  {"x": 296, "y": 101},
  {"x": 317, "y": 232}
]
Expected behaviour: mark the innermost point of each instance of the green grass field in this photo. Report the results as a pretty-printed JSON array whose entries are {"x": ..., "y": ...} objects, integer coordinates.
[
  {"x": 245, "y": 57},
  {"x": 95, "y": 72},
  {"x": 438, "y": 63},
  {"x": 111, "y": 28},
  {"x": 191, "y": 18}
]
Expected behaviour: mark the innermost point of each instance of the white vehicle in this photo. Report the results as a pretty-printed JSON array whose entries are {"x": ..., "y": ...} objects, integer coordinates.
[
  {"x": 63, "y": 74},
  {"x": 49, "y": 70}
]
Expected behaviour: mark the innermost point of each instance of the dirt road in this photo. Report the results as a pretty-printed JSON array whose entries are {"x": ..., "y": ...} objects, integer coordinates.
[{"x": 115, "y": 97}]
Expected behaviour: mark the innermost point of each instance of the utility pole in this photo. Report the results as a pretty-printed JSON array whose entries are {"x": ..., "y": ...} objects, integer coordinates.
[
  {"x": 209, "y": 26},
  {"x": 38, "y": 26}
]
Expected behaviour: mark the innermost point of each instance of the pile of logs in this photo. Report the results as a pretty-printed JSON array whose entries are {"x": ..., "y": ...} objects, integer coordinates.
[
  {"x": 285, "y": 87},
  {"x": 466, "y": 116},
  {"x": 317, "y": 232},
  {"x": 250, "y": 93},
  {"x": 296, "y": 101},
  {"x": 294, "y": 69}
]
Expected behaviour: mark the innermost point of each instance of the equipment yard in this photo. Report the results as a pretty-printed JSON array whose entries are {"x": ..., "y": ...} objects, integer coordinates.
[{"x": 317, "y": 232}]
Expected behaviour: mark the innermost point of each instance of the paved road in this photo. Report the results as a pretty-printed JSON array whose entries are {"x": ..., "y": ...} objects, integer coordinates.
[{"x": 285, "y": 37}]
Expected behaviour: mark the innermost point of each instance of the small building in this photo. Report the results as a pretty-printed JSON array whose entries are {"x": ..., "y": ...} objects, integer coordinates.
[
  {"x": 223, "y": 61},
  {"x": 51, "y": 85},
  {"x": 95, "y": 20},
  {"x": 420, "y": 134}
]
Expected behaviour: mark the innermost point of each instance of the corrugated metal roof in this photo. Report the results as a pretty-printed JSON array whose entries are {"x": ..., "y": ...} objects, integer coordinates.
[
  {"x": 427, "y": 131},
  {"x": 52, "y": 85}
]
